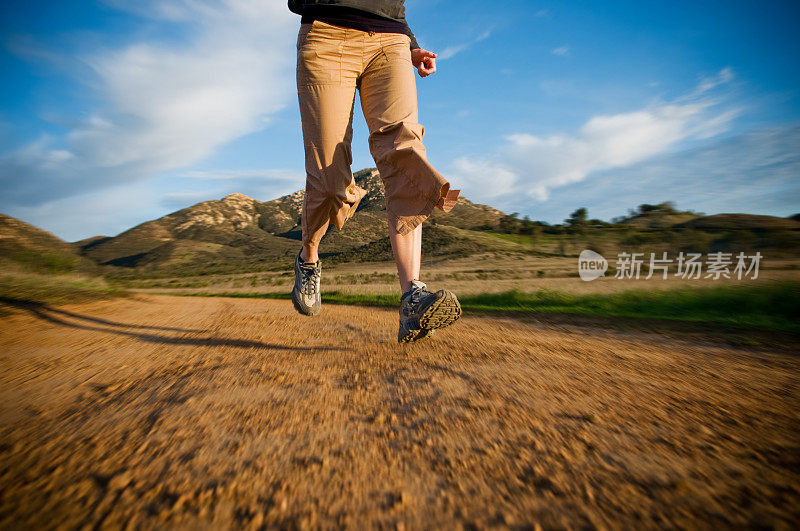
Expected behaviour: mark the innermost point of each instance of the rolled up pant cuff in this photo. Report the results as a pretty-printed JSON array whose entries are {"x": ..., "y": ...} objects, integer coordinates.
[{"x": 444, "y": 198}]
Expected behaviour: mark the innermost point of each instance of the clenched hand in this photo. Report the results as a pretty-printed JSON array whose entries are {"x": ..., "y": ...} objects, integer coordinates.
[{"x": 424, "y": 60}]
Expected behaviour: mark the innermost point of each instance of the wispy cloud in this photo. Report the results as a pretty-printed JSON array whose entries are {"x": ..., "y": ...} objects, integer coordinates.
[
  {"x": 711, "y": 82},
  {"x": 106, "y": 211},
  {"x": 450, "y": 51},
  {"x": 235, "y": 175},
  {"x": 111, "y": 210},
  {"x": 163, "y": 105},
  {"x": 530, "y": 166},
  {"x": 754, "y": 172},
  {"x": 261, "y": 184},
  {"x": 562, "y": 51}
]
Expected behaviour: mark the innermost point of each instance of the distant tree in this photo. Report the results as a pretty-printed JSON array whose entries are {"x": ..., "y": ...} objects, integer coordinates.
[
  {"x": 598, "y": 223},
  {"x": 536, "y": 234},
  {"x": 553, "y": 229},
  {"x": 576, "y": 222},
  {"x": 526, "y": 226},
  {"x": 796, "y": 217},
  {"x": 509, "y": 223},
  {"x": 666, "y": 206}
]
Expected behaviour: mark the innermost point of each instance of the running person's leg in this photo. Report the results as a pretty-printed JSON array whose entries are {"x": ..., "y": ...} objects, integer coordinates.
[
  {"x": 326, "y": 85},
  {"x": 327, "y": 69},
  {"x": 413, "y": 187},
  {"x": 389, "y": 100},
  {"x": 407, "y": 252}
]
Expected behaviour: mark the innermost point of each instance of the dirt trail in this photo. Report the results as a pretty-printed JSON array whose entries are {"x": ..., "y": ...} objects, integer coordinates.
[{"x": 197, "y": 412}]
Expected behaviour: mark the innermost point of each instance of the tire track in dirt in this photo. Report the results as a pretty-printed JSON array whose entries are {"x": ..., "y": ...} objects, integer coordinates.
[{"x": 161, "y": 411}]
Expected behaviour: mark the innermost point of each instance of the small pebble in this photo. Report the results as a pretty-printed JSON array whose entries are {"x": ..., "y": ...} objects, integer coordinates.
[{"x": 120, "y": 481}]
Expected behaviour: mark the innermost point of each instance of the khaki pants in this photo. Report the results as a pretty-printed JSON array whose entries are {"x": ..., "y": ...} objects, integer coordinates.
[{"x": 332, "y": 62}]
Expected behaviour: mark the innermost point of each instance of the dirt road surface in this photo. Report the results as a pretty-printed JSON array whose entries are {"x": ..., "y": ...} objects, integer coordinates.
[{"x": 167, "y": 412}]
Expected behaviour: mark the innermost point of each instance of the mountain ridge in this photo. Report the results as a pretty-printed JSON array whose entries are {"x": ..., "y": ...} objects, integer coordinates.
[
  {"x": 240, "y": 228},
  {"x": 238, "y": 233}
]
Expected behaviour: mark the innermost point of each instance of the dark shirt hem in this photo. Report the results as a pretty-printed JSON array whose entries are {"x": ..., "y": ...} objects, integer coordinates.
[{"x": 348, "y": 17}]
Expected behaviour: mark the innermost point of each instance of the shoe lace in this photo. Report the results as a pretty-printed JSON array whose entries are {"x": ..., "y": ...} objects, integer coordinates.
[
  {"x": 414, "y": 300},
  {"x": 309, "y": 279}
]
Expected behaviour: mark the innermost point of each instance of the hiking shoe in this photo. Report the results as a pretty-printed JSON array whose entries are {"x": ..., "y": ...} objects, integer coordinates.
[
  {"x": 421, "y": 312},
  {"x": 306, "y": 293}
]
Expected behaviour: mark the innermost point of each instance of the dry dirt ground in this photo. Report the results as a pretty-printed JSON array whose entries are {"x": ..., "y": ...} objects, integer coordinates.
[{"x": 167, "y": 412}]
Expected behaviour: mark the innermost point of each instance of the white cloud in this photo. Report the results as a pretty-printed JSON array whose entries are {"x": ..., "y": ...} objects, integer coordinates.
[
  {"x": 110, "y": 211},
  {"x": 226, "y": 175},
  {"x": 450, "y": 51},
  {"x": 165, "y": 104},
  {"x": 707, "y": 83},
  {"x": 474, "y": 174},
  {"x": 754, "y": 172},
  {"x": 102, "y": 212},
  {"x": 263, "y": 185},
  {"x": 529, "y": 166},
  {"x": 562, "y": 51}
]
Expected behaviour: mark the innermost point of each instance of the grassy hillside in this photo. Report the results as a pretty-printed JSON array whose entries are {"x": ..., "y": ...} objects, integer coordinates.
[
  {"x": 54, "y": 288},
  {"x": 36, "y": 266},
  {"x": 26, "y": 248},
  {"x": 657, "y": 231}
]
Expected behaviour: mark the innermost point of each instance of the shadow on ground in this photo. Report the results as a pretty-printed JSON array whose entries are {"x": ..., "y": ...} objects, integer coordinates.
[{"x": 54, "y": 315}]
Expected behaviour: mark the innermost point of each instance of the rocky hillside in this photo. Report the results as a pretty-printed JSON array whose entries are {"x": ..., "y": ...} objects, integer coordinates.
[{"x": 238, "y": 231}]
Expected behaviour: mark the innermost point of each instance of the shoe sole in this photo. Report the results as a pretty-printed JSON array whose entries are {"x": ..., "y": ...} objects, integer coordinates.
[
  {"x": 421, "y": 334},
  {"x": 442, "y": 311}
]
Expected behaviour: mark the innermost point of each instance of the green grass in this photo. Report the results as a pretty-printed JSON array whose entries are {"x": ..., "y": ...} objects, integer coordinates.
[
  {"x": 770, "y": 306},
  {"x": 773, "y": 306},
  {"x": 51, "y": 261},
  {"x": 522, "y": 239}
]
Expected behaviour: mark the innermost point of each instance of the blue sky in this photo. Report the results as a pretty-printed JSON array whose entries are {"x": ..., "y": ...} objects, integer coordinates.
[{"x": 111, "y": 115}]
